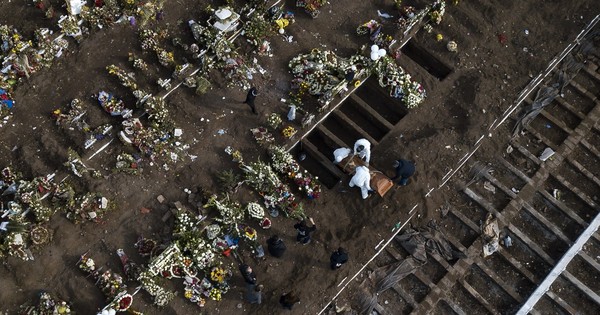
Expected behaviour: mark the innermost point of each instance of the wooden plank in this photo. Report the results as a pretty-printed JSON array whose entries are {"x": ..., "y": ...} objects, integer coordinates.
[
  {"x": 525, "y": 152},
  {"x": 478, "y": 297},
  {"x": 468, "y": 222},
  {"x": 546, "y": 141},
  {"x": 562, "y": 303},
  {"x": 582, "y": 287},
  {"x": 322, "y": 159},
  {"x": 494, "y": 276},
  {"x": 570, "y": 213},
  {"x": 584, "y": 171},
  {"x": 531, "y": 244},
  {"x": 517, "y": 264},
  {"x": 577, "y": 192},
  {"x": 515, "y": 171},
  {"x": 562, "y": 102},
  {"x": 405, "y": 296},
  {"x": 589, "y": 260},
  {"x": 583, "y": 91},
  {"x": 557, "y": 122},
  {"x": 326, "y": 132},
  {"x": 590, "y": 147},
  {"x": 500, "y": 185},
  {"x": 356, "y": 127},
  {"x": 362, "y": 104},
  {"x": 455, "y": 308},
  {"x": 551, "y": 226},
  {"x": 484, "y": 203}
]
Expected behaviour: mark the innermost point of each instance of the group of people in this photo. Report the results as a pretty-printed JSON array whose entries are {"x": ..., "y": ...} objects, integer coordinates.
[
  {"x": 362, "y": 175},
  {"x": 276, "y": 248}
]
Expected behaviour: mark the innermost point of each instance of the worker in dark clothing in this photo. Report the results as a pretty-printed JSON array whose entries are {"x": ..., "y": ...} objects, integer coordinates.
[
  {"x": 248, "y": 274},
  {"x": 276, "y": 246},
  {"x": 338, "y": 258},
  {"x": 252, "y": 93},
  {"x": 404, "y": 170},
  {"x": 304, "y": 231},
  {"x": 254, "y": 293},
  {"x": 287, "y": 300}
]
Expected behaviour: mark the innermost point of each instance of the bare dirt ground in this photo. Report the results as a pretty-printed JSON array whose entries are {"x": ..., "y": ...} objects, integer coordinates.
[{"x": 487, "y": 76}]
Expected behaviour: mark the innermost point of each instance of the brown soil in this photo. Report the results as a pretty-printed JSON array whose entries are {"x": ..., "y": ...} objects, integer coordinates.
[{"x": 486, "y": 78}]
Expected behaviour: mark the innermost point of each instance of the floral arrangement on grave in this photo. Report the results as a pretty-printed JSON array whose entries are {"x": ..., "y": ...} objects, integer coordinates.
[
  {"x": 230, "y": 212},
  {"x": 113, "y": 105},
  {"x": 41, "y": 197},
  {"x": 73, "y": 117},
  {"x": 101, "y": 15},
  {"x": 47, "y": 305},
  {"x": 322, "y": 73},
  {"x": 392, "y": 76},
  {"x": 200, "y": 255},
  {"x": 258, "y": 29},
  {"x": 312, "y": 7},
  {"x": 127, "y": 163},
  {"x": 70, "y": 26},
  {"x": 274, "y": 120},
  {"x": 232, "y": 64},
  {"x": 127, "y": 79},
  {"x": 111, "y": 284},
  {"x": 262, "y": 136},
  {"x": 75, "y": 164},
  {"x": 288, "y": 132},
  {"x": 149, "y": 283},
  {"x": 161, "y": 139},
  {"x": 261, "y": 177},
  {"x": 23, "y": 57},
  {"x": 284, "y": 163},
  {"x": 88, "y": 207},
  {"x": 137, "y": 62},
  {"x": 437, "y": 11},
  {"x": 374, "y": 30},
  {"x": 149, "y": 10}
]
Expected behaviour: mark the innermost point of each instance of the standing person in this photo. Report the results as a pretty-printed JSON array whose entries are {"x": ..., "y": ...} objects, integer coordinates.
[
  {"x": 304, "y": 231},
  {"x": 362, "y": 179},
  {"x": 338, "y": 258},
  {"x": 276, "y": 246},
  {"x": 248, "y": 274},
  {"x": 254, "y": 294},
  {"x": 287, "y": 300},
  {"x": 362, "y": 148},
  {"x": 404, "y": 170},
  {"x": 252, "y": 93}
]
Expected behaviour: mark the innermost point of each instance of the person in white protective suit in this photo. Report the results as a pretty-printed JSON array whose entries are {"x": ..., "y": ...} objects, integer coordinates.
[
  {"x": 362, "y": 179},
  {"x": 340, "y": 154},
  {"x": 362, "y": 148}
]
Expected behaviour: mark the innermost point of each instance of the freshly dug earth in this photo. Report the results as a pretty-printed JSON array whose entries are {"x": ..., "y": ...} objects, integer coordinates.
[{"x": 486, "y": 78}]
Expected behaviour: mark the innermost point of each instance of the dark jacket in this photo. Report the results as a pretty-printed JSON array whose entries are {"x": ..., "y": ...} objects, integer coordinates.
[
  {"x": 253, "y": 296},
  {"x": 338, "y": 258},
  {"x": 405, "y": 169},
  {"x": 276, "y": 246},
  {"x": 304, "y": 232},
  {"x": 249, "y": 277}
]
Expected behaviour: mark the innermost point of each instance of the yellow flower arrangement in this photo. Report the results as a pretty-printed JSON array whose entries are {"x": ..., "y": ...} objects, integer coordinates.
[
  {"x": 357, "y": 83},
  {"x": 217, "y": 274},
  {"x": 439, "y": 37},
  {"x": 288, "y": 131},
  {"x": 250, "y": 233}
]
